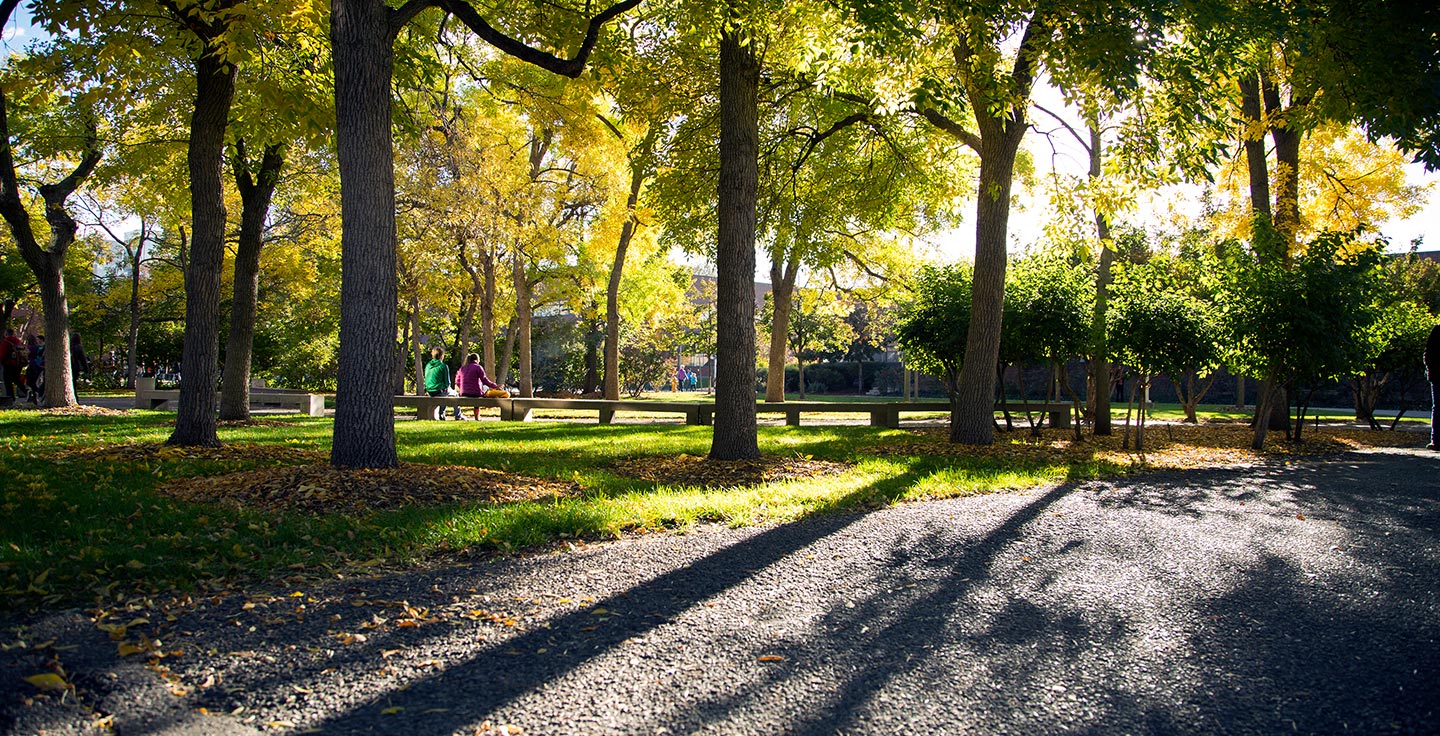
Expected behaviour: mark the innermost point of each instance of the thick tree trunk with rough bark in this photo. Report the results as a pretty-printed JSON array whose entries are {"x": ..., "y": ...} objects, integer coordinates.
[
  {"x": 200, "y": 360},
  {"x": 59, "y": 384},
  {"x": 782, "y": 302},
  {"x": 256, "y": 192},
  {"x": 363, "y": 57},
  {"x": 735, "y": 436},
  {"x": 973, "y": 420}
]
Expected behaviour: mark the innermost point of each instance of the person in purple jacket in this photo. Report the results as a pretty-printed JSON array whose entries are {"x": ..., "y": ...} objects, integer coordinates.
[{"x": 472, "y": 381}]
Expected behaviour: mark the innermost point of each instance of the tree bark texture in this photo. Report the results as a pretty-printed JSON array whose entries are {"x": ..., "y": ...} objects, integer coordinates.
[
  {"x": 973, "y": 420},
  {"x": 782, "y": 302},
  {"x": 735, "y": 436},
  {"x": 360, "y": 36},
  {"x": 200, "y": 357},
  {"x": 256, "y": 191}
]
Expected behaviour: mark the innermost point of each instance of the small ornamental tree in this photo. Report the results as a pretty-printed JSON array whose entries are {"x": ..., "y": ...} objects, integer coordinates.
[
  {"x": 1394, "y": 349},
  {"x": 932, "y": 327},
  {"x": 1156, "y": 328},
  {"x": 1048, "y": 305},
  {"x": 1298, "y": 326}
]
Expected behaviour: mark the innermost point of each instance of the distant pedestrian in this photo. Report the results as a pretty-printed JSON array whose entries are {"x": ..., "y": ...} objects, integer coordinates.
[
  {"x": 1432, "y": 372},
  {"x": 12, "y": 360},
  {"x": 473, "y": 382}
]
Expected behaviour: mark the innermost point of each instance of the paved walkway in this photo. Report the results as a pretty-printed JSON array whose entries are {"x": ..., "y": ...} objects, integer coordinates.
[{"x": 1296, "y": 598}]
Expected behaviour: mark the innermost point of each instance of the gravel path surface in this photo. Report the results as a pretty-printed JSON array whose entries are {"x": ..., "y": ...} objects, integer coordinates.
[{"x": 1295, "y": 598}]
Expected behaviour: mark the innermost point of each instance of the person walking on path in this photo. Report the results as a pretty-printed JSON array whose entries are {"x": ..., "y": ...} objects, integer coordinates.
[
  {"x": 437, "y": 375},
  {"x": 472, "y": 382},
  {"x": 1432, "y": 372}
]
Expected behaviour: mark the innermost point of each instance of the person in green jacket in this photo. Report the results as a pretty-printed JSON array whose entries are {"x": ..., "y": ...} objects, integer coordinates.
[{"x": 437, "y": 374}]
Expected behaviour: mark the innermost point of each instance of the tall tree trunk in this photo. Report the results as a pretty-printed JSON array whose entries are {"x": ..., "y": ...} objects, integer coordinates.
[
  {"x": 417, "y": 351},
  {"x": 521, "y": 282},
  {"x": 132, "y": 336},
  {"x": 1100, "y": 363},
  {"x": 735, "y": 436},
  {"x": 402, "y": 350},
  {"x": 200, "y": 360},
  {"x": 594, "y": 344},
  {"x": 639, "y": 170},
  {"x": 487, "y": 316},
  {"x": 507, "y": 353},
  {"x": 973, "y": 421},
  {"x": 782, "y": 292},
  {"x": 256, "y": 192},
  {"x": 463, "y": 334},
  {"x": 1268, "y": 247},
  {"x": 360, "y": 33},
  {"x": 1252, "y": 136}
]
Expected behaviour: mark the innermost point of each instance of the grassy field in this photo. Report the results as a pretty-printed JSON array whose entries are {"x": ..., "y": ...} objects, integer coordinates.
[
  {"x": 86, "y": 516},
  {"x": 92, "y": 513}
]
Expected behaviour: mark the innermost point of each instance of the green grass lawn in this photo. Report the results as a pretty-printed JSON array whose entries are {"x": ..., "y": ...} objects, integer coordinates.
[{"x": 83, "y": 527}]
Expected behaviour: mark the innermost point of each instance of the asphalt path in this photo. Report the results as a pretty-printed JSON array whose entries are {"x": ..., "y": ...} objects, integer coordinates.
[{"x": 1282, "y": 598}]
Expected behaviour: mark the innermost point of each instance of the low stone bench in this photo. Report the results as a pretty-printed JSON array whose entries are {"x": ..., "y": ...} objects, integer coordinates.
[
  {"x": 433, "y": 407},
  {"x": 882, "y": 413},
  {"x": 149, "y": 397}
]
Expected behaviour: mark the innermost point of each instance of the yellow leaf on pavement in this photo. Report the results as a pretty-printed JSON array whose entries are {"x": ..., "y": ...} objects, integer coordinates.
[{"x": 48, "y": 682}]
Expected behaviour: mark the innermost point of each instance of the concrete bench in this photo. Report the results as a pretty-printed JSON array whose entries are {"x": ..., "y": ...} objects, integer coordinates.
[
  {"x": 699, "y": 413},
  {"x": 882, "y": 413},
  {"x": 518, "y": 409},
  {"x": 149, "y": 397},
  {"x": 606, "y": 409},
  {"x": 433, "y": 407}
]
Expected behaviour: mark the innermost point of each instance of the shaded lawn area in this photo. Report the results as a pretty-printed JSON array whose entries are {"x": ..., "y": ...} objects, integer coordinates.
[{"x": 93, "y": 514}]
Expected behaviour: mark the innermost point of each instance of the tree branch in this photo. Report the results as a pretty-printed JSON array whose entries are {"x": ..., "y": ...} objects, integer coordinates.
[
  {"x": 956, "y": 130},
  {"x": 572, "y": 67}
]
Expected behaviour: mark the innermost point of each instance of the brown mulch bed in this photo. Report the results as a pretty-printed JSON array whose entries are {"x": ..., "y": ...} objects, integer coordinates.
[
  {"x": 1177, "y": 446},
  {"x": 147, "y": 452},
  {"x": 252, "y": 422},
  {"x": 322, "y": 489},
  {"x": 693, "y": 470},
  {"x": 85, "y": 410}
]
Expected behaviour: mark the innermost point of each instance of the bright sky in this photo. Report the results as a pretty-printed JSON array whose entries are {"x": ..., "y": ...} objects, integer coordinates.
[{"x": 1027, "y": 219}]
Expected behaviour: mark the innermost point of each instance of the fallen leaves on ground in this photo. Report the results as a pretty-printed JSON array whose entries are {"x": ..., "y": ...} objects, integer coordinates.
[
  {"x": 320, "y": 488},
  {"x": 692, "y": 470},
  {"x": 1181, "y": 446},
  {"x": 253, "y": 422},
  {"x": 84, "y": 410},
  {"x": 148, "y": 452}
]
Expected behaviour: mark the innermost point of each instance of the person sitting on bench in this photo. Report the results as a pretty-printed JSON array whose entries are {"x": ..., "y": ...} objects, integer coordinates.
[{"x": 472, "y": 382}]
